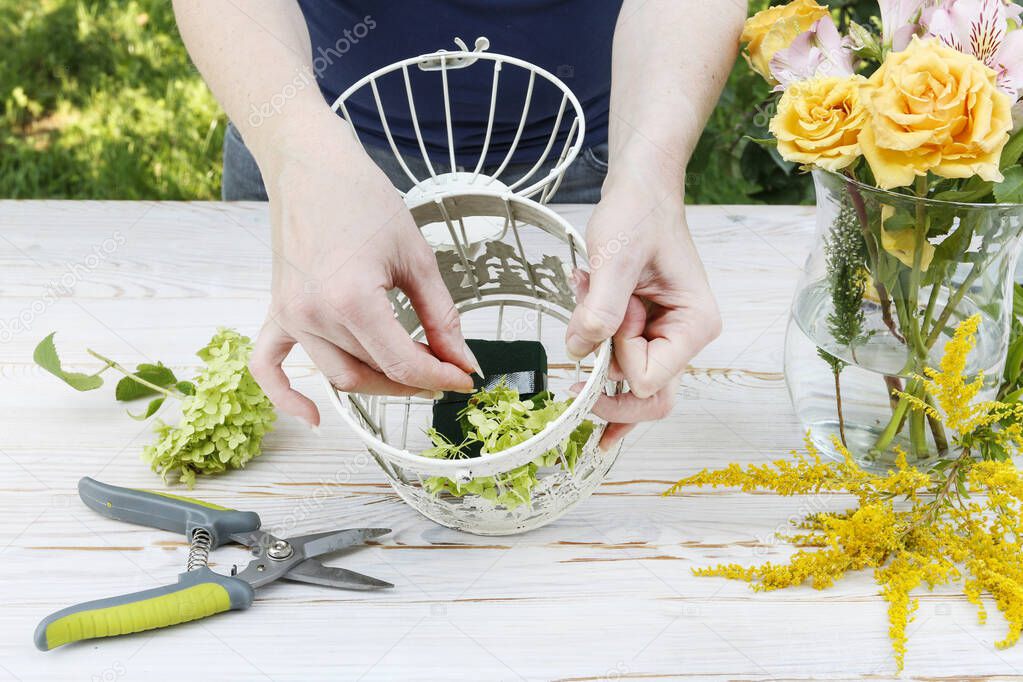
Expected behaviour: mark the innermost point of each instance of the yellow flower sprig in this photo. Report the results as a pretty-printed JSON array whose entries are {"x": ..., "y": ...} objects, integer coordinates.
[
  {"x": 958, "y": 523},
  {"x": 975, "y": 422}
]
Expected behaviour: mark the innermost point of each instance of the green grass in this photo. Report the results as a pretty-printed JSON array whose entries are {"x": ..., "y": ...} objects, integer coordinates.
[{"x": 98, "y": 99}]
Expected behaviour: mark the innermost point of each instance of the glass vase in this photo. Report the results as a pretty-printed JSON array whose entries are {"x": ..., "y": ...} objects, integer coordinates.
[{"x": 889, "y": 279}]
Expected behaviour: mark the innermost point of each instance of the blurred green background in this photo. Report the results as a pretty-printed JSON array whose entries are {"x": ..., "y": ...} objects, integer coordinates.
[{"x": 99, "y": 100}]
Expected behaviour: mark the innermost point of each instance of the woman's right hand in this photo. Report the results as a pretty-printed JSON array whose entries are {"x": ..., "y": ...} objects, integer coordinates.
[{"x": 342, "y": 238}]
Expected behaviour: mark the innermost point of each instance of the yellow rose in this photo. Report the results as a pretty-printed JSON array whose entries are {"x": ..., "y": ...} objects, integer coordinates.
[
  {"x": 774, "y": 29},
  {"x": 819, "y": 121},
  {"x": 933, "y": 108}
]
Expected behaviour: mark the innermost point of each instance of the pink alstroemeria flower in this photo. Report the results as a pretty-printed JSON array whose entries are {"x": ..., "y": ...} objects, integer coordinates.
[
  {"x": 819, "y": 51},
  {"x": 899, "y": 21},
  {"x": 980, "y": 28}
]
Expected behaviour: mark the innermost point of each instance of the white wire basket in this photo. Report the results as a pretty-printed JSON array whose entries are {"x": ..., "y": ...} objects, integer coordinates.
[{"x": 506, "y": 260}]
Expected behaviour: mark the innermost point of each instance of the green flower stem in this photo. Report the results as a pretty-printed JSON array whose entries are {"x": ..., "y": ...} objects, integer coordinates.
[
  {"x": 900, "y": 310},
  {"x": 914, "y": 328},
  {"x": 894, "y": 424},
  {"x": 917, "y": 421},
  {"x": 906, "y": 301},
  {"x": 952, "y": 304},
  {"x": 838, "y": 402},
  {"x": 110, "y": 364},
  {"x": 932, "y": 302},
  {"x": 919, "y": 239},
  {"x": 906, "y": 307},
  {"x": 917, "y": 436},
  {"x": 948, "y": 487}
]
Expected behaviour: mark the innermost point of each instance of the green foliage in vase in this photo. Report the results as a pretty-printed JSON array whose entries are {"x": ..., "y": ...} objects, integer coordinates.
[
  {"x": 497, "y": 419},
  {"x": 844, "y": 255}
]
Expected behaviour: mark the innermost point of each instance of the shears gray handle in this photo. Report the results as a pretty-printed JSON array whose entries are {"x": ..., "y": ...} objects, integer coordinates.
[
  {"x": 197, "y": 594},
  {"x": 165, "y": 511}
]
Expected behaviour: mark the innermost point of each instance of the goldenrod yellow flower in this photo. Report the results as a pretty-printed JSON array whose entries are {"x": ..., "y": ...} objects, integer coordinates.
[
  {"x": 913, "y": 528},
  {"x": 949, "y": 386}
]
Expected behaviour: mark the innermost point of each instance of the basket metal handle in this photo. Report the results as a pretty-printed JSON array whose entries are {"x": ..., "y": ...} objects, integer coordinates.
[{"x": 482, "y": 43}]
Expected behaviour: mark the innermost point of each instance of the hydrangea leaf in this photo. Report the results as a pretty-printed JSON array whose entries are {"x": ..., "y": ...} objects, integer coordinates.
[
  {"x": 45, "y": 356},
  {"x": 158, "y": 374}
]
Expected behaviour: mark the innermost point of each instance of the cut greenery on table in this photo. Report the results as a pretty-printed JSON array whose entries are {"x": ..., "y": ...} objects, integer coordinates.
[
  {"x": 497, "y": 419},
  {"x": 224, "y": 412},
  {"x": 958, "y": 522}
]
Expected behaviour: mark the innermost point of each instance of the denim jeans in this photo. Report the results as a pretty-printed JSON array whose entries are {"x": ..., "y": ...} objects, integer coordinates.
[{"x": 581, "y": 185}]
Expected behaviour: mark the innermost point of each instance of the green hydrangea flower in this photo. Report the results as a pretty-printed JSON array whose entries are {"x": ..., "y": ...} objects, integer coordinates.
[{"x": 222, "y": 424}]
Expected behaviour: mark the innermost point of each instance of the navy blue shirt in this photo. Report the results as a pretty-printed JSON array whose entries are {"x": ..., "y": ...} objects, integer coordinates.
[{"x": 569, "y": 38}]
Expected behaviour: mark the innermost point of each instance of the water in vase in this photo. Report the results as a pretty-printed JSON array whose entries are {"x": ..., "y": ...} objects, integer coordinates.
[{"x": 870, "y": 370}]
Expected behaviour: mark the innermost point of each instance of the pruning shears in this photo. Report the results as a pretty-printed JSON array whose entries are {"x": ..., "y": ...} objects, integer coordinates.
[{"x": 199, "y": 592}]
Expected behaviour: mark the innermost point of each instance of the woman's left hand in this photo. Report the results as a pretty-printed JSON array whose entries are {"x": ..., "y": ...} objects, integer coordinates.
[{"x": 648, "y": 292}]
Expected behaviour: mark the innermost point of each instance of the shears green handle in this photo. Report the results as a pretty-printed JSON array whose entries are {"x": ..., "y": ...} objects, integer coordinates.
[
  {"x": 165, "y": 511},
  {"x": 197, "y": 594}
]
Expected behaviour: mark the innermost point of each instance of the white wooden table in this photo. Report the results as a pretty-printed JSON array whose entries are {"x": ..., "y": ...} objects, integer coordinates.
[{"x": 605, "y": 593}]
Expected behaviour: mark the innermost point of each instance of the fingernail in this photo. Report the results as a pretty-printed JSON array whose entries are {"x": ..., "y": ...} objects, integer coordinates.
[
  {"x": 575, "y": 280},
  {"x": 575, "y": 348},
  {"x": 312, "y": 427},
  {"x": 430, "y": 395},
  {"x": 615, "y": 443},
  {"x": 473, "y": 362}
]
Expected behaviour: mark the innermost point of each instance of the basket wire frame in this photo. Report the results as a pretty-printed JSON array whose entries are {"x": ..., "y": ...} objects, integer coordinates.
[{"x": 452, "y": 181}]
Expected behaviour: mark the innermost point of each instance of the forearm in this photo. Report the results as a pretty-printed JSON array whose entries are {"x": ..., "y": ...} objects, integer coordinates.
[
  {"x": 671, "y": 59},
  {"x": 256, "y": 59}
]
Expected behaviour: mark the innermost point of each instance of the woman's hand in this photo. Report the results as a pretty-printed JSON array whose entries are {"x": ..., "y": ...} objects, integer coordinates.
[
  {"x": 647, "y": 287},
  {"x": 342, "y": 238},
  {"x": 646, "y": 290}
]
